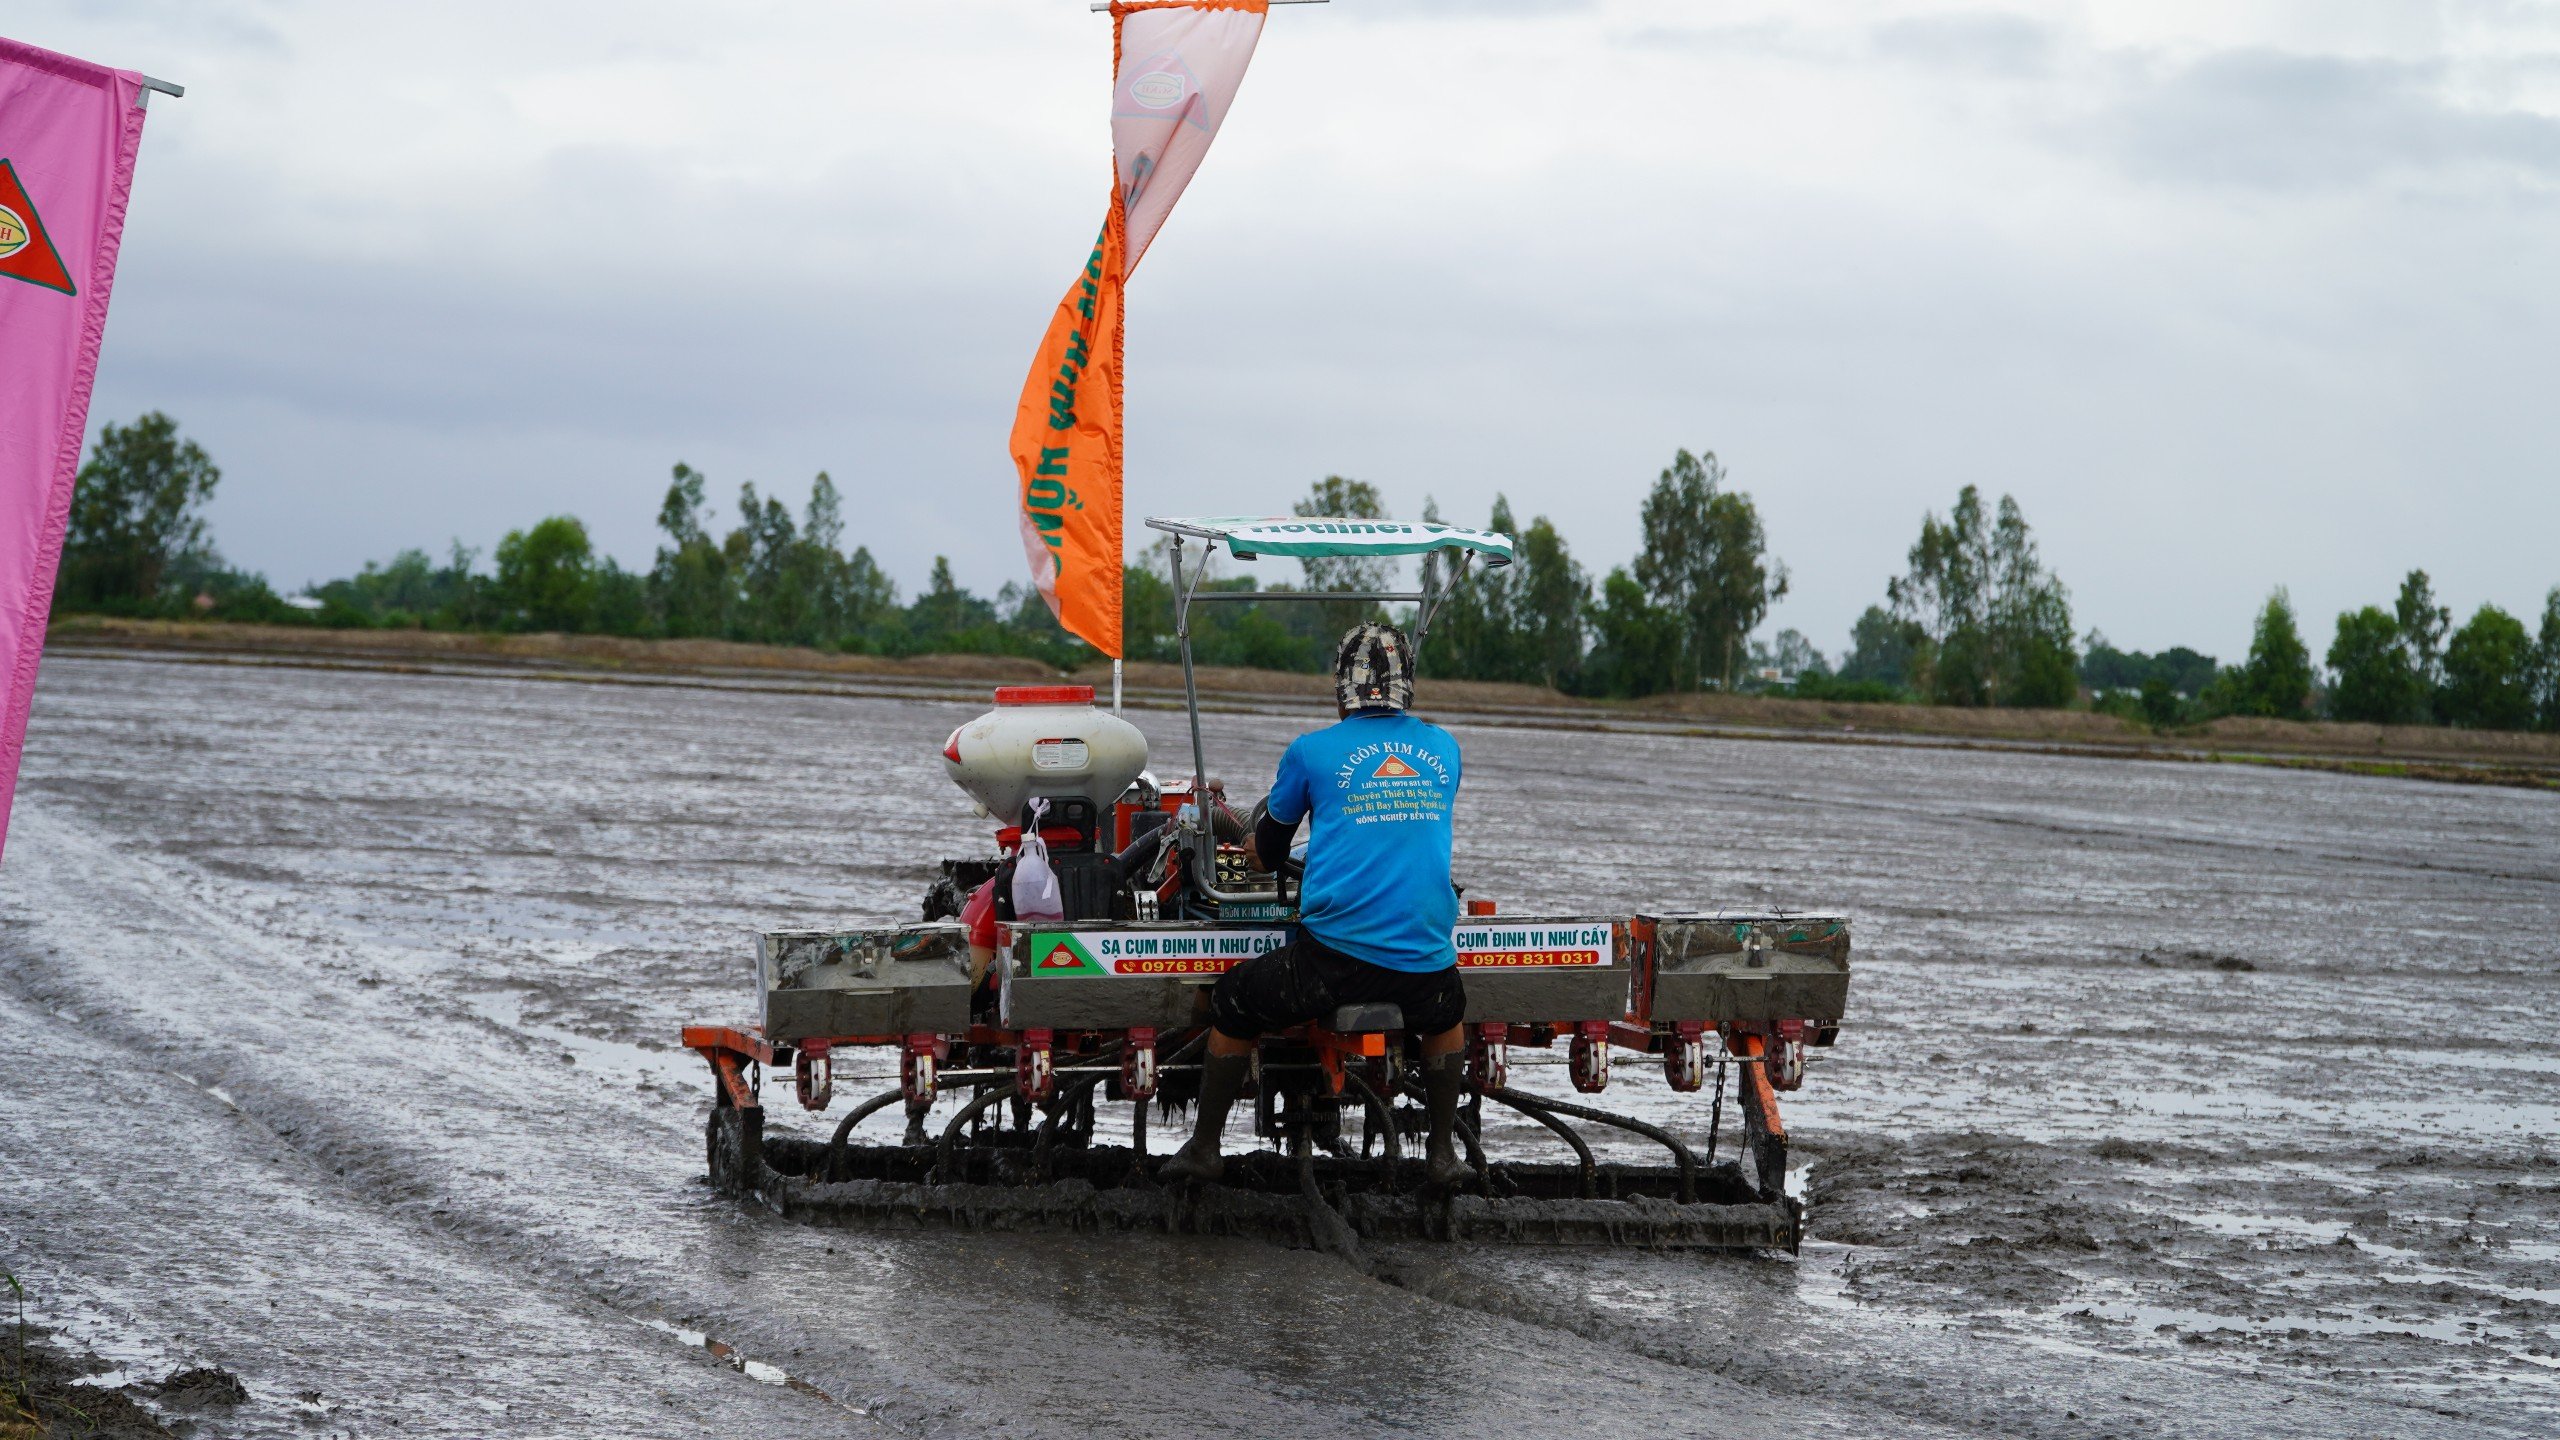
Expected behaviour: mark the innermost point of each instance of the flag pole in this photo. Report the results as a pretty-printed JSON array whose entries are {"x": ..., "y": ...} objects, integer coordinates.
[{"x": 1115, "y": 687}]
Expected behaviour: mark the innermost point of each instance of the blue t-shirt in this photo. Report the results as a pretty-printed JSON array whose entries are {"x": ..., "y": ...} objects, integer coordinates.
[{"x": 1381, "y": 787}]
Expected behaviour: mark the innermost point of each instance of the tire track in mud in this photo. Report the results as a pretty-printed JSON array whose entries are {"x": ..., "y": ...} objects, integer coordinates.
[{"x": 170, "y": 1228}]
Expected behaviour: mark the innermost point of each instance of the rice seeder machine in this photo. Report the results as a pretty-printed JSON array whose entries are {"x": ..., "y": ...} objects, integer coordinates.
[{"x": 1012, "y": 1053}]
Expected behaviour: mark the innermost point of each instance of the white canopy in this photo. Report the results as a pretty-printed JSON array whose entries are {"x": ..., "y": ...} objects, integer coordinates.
[{"x": 1310, "y": 535}]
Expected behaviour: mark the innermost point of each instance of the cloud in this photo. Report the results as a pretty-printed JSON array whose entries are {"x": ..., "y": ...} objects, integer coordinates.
[
  {"x": 2270, "y": 120},
  {"x": 1991, "y": 44}
]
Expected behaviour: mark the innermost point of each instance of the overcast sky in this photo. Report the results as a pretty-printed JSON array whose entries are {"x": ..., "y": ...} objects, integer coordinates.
[{"x": 2230, "y": 295}]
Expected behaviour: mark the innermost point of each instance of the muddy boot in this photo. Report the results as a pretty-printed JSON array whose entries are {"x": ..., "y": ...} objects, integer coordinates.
[
  {"x": 1199, "y": 1162},
  {"x": 1442, "y": 1078}
]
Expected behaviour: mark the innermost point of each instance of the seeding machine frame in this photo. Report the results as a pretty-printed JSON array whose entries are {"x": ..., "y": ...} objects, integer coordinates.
[{"x": 1111, "y": 1006}]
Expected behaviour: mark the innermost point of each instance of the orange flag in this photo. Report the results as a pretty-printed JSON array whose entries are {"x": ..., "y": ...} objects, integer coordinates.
[
  {"x": 1167, "y": 103},
  {"x": 1066, "y": 448}
]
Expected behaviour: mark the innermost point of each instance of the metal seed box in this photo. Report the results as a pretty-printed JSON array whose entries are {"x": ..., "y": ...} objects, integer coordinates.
[
  {"x": 889, "y": 981},
  {"x": 1533, "y": 969},
  {"x": 1743, "y": 965}
]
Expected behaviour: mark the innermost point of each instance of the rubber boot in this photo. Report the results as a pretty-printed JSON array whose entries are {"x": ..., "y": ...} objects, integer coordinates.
[
  {"x": 1198, "y": 1161},
  {"x": 1443, "y": 1076}
]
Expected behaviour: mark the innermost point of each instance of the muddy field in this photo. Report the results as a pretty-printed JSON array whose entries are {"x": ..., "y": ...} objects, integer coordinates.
[{"x": 340, "y": 1014}]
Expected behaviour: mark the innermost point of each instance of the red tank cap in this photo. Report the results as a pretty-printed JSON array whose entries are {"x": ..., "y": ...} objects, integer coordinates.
[{"x": 1044, "y": 694}]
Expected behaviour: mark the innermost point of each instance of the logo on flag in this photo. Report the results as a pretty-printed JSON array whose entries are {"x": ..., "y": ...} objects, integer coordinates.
[
  {"x": 1392, "y": 768},
  {"x": 26, "y": 252},
  {"x": 1164, "y": 84}
]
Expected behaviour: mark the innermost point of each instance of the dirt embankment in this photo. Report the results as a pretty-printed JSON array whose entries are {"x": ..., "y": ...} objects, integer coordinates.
[
  {"x": 2418, "y": 746},
  {"x": 612, "y": 652},
  {"x": 2083, "y": 727}
]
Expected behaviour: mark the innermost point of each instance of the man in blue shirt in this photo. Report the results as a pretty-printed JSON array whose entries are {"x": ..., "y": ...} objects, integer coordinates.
[{"x": 1375, "y": 908}]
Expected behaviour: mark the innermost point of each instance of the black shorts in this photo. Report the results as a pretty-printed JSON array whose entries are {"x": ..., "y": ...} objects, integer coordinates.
[{"x": 1307, "y": 980}]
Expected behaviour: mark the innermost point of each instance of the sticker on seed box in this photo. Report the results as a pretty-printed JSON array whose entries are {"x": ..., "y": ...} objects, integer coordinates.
[
  {"x": 1199, "y": 952},
  {"x": 1507, "y": 947}
]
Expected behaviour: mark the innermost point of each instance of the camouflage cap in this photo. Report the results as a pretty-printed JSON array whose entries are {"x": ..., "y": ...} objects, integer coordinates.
[{"x": 1373, "y": 667}]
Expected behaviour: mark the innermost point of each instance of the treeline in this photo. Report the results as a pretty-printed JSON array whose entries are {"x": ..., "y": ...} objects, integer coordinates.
[
  {"x": 2401, "y": 667},
  {"x": 2406, "y": 665},
  {"x": 1679, "y": 616},
  {"x": 137, "y": 545},
  {"x": 1976, "y": 619},
  {"x": 772, "y": 579}
]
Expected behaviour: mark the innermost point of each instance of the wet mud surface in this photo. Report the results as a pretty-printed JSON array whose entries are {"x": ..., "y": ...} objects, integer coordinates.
[{"x": 341, "y": 1013}]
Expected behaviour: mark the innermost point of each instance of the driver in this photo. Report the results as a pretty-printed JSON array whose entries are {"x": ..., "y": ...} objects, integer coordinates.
[{"x": 1375, "y": 908}]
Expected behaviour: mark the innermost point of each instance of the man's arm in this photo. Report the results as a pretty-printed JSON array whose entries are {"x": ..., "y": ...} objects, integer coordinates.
[
  {"x": 1282, "y": 809},
  {"x": 1271, "y": 838}
]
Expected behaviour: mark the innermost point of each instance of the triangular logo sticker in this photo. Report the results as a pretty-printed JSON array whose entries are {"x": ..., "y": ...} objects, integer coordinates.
[
  {"x": 26, "y": 252},
  {"x": 1392, "y": 768},
  {"x": 1065, "y": 954}
]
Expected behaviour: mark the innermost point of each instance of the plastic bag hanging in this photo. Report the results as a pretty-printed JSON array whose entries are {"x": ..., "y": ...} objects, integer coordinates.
[{"x": 1035, "y": 882}]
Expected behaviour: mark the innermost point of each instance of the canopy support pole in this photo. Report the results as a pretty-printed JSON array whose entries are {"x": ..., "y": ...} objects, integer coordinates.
[
  {"x": 1431, "y": 599},
  {"x": 1204, "y": 835},
  {"x": 1204, "y": 839}
]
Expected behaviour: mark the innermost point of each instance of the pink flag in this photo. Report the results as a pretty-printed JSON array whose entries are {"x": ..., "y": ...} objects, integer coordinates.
[
  {"x": 1180, "y": 63},
  {"x": 68, "y": 134}
]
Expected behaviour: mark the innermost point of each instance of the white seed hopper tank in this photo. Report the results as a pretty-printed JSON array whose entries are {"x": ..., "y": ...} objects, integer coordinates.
[{"x": 1044, "y": 740}]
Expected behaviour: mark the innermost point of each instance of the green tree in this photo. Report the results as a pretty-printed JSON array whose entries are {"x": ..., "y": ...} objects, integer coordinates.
[
  {"x": 1552, "y": 595},
  {"x": 2422, "y": 625},
  {"x": 840, "y": 594},
  {"x": 2371, "y": 678},
  {"x": 1993, "y": 626},
  {"x": 137, "y": 507},
  {"x": 759, "y": 553},
  {"x": 411, "y": 590},
  {"x": 689, "y": 587},
  {"x": 1881, "y": 649},
  {"x": 1705, "y": 561},
  {"x": 2488, "y": 673},
  {"x": 868, "y": 596},
  {"x": 1641, "y": 645},
  {"x": 2031, "y": 654},
  {"x": 2104, "y": 667},
  {"x": 2276, "y": 681},
  {"x": 618, "y": 603},
  {"x": 2546, "y": 665},
  {"x": 1791, "y": 655},
  {"x": 2161, "y": 705},
  {"x": 947, "y": 617},
  {"x": 546, "y": 575},
  {"x": 409, "y": 584},
  {"x": 1522, "y": 622}
]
